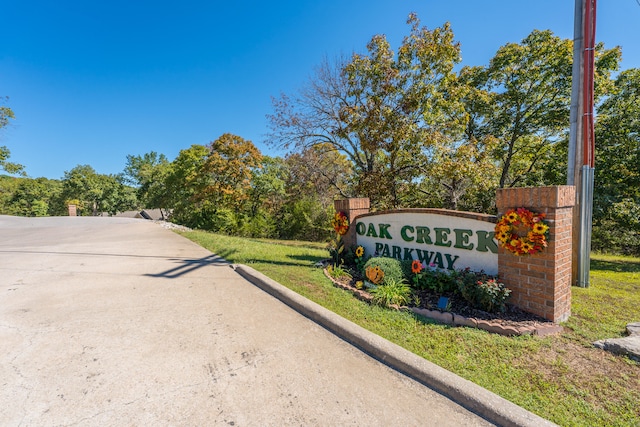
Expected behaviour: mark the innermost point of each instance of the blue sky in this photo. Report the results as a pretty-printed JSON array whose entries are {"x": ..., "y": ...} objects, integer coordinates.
[{"x": 91, "y": 82}]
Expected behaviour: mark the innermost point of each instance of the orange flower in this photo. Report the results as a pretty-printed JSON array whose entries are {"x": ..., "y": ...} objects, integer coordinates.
[{"x": 416, "y": 266}]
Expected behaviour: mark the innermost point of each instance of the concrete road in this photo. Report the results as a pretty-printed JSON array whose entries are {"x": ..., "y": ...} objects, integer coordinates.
[{"x": 119, "y": 322}]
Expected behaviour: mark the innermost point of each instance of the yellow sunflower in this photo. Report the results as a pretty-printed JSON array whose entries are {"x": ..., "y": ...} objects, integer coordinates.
[
  {"x": 526, "y": 247},
  {"x": 539, "y": 228}
]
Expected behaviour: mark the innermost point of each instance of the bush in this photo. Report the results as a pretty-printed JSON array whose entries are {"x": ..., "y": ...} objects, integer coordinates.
[
  {"x": 438, "y": 281},
  {"x": 391, "y": 267},
  {"x": 486, "y": 294}
]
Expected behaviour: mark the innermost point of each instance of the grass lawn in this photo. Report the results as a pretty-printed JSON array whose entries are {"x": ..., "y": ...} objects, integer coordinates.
[{"x": 562, "y": 378}]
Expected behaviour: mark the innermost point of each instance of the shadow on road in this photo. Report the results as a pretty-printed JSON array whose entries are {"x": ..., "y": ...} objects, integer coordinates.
[{"x": 188, "y": 265}]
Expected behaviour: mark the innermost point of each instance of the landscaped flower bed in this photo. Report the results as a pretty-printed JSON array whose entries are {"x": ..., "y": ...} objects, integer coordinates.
[{"x": 460, "y": 297}]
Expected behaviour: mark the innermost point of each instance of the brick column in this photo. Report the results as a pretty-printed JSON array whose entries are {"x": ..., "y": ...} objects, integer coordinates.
[
  {"x": 352, "y": 208},
  {"x": 541, "y": 283},
  {"x": 73, "y": 210}
]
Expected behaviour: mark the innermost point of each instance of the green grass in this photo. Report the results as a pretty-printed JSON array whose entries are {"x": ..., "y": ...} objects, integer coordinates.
[{"x": 562, "y": 378}]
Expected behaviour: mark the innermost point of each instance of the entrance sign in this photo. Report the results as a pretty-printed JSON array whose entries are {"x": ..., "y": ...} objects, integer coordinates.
[
  {"x": 540, "y": 282},
  {"x": 439, "y": 238}
]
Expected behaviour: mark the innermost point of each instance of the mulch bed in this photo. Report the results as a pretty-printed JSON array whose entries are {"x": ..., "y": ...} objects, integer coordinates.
[{"x": 513, "y": 321}]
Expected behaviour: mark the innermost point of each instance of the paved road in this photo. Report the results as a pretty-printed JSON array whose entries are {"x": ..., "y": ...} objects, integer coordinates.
[{"x": 118, "y": 322}]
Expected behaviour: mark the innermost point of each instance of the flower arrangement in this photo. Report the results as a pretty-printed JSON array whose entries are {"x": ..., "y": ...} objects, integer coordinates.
[
  {"x": 522, "y": 232},
  {"x": 340, "y": 223}
]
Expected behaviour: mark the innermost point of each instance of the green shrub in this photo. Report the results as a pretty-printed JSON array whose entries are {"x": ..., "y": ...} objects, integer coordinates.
[
  {"x": 392, "y": 268},
  {"x": 391, "y": 292},
  {"x": 438, "y": 281},
  {"x": 486, "y": 294}
]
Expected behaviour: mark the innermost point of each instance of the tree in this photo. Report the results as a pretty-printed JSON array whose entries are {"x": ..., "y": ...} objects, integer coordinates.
[
  {"x": 522, "y": 98},
  {"x": 208, "y": 186},
  {"x": 148, "y": 173},
  {"x": 381, "y": 110},
  {"x": 184, "y": 182},
  {"x": 96, "y": 193},
  {"x": 316, "y": 176},
  {"x": 268, "y": 185},
  {"x": 320, "y": 170},
  {"x": 6, "y": 114},
  {"x": 460, "y": 176},
  {"x": 37, "y": 197},
  {"x": 617, "y": 173},
  {"x": 229, "y": 166}
]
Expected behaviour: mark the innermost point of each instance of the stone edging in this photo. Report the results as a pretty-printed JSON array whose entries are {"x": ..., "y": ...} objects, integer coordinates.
[{"x": 449, "y": 318}]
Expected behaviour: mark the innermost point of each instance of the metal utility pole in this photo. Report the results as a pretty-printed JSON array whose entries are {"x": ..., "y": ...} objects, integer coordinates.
[{"x": 581, "y": 159}]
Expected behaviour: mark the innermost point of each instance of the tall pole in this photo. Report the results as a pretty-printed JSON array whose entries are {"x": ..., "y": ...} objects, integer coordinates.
[{"x": 581, "y": 159}]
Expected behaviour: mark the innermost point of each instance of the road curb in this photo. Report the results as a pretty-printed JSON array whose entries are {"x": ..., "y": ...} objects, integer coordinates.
[{"x": 469, "y": 395}]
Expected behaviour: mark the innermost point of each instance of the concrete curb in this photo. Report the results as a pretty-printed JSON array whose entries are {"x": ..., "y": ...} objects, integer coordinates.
[{"x": 471, "y": 396}]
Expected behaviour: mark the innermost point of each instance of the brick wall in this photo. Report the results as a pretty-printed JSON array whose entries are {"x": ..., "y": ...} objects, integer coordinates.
[
  {"x": 541, "y": 283},
  {"x": 352, "y": 208}
]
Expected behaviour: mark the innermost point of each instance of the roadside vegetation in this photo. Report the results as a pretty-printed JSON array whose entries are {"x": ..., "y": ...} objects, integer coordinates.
[{"x": 562, "y": 378}]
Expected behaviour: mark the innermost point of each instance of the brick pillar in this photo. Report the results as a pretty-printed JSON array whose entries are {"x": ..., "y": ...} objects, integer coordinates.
[
  {"x": 352, "y": 208},
  {"x": 72, "y": 210},
  {"x": 541, "y": 283}
]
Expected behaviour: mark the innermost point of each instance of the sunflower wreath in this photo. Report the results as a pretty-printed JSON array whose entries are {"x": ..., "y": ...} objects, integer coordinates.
[
  {"x": 522, "y": 232},
  {"x": 340, "y": 223}
]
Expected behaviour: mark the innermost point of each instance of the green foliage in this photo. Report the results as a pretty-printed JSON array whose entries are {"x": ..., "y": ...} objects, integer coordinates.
[
  {"x": 338, "y": 271},
  {"x": 619, "y": 231},
  {"x": 391, "y": 292},
  {"x": 304, "y": 218},
  {"x": 435, "y": 280},
  {"x": 268, "y": 186},
  {"x": 487, "y": 294},
  {"x": 148, "y": 174},
  {"x": 36, "y": 197},
  {"x": 97, "y": 193},
  {"x": 6, "y": 114},
  {"x": 617, "y": 175},
  {"x": 260, "y": 224},
  {"x": 393, "y": 269}
]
